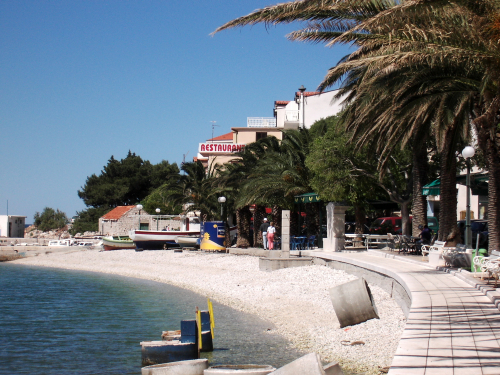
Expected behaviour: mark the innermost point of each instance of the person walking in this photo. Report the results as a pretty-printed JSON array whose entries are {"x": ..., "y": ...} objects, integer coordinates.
[
  {"x": 263, "y": 231},
  {"x": 271, "y": 230}
]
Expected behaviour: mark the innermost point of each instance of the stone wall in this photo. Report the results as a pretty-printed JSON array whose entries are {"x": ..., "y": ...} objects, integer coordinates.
[{"x": 131, "y": 220}]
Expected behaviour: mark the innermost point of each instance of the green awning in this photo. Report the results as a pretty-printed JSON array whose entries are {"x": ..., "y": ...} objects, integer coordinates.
[
  {"x": 432, "y": 189},
  {"x": 307, "y": 198},
  {"x": 478, "y": 184}
]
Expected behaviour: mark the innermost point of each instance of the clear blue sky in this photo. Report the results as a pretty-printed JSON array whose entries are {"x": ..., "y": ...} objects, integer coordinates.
[{"x": 83, "y": 80}]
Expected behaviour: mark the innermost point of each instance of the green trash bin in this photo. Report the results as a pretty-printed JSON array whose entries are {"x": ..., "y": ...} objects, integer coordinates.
[{"x": 480, "y": 253}]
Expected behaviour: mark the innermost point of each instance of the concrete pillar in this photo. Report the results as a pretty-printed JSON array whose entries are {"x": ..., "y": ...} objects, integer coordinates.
[
  {"x": 335, "y": 227},
  {"x": 285, "y": 233}
]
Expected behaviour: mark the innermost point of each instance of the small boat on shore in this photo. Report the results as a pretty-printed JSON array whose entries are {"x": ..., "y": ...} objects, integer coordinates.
[
  {"x": 117, "y": 243},
  {"x": 188, "y": 241},
  {"x": 165, "y": 239}
]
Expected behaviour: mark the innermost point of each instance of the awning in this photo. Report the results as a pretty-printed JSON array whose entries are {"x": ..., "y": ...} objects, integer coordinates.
[
  {"x": 432, "y": 189},
  {"x": 478, "y": 184},
  {"x": 307, "y": 198}
]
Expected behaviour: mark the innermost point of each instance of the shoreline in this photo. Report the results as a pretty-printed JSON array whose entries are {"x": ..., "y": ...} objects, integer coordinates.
[{"x": 295, "y": 300}]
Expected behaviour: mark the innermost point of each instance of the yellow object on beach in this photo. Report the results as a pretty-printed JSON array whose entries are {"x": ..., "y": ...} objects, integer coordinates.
[
  {"x": 198, "y": 327},
  {"x": 211, "y": 313}
]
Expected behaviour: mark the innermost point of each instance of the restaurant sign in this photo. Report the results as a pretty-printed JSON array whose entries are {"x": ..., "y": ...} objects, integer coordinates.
[{"x": 220, "y": 148}]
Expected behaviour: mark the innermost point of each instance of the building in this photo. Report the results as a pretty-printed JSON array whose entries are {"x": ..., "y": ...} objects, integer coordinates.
[
  {"x": 306, "y": 109},
  {"x": 302, "y": 112},
  {"x": 12, "y": 226},
  {"x": 120, "y": 220}
]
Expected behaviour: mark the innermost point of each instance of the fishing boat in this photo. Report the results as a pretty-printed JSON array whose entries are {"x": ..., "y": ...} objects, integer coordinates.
[
  {"x": 117, "y": 243},
  {"x": 188, "y": 241},
  {"x": 165, "y": 239}
]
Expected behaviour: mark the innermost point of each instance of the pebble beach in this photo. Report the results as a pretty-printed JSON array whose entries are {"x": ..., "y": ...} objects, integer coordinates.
[{"x": 295, "y": 300}]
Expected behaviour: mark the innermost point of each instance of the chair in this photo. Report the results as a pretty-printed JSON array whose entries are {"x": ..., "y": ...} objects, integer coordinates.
[
  {"x": 277, "y": 243},
  {"x": 301, "y": 243},
  {"x": 293, "y": 243},
  {"x": 311, "y": 242}
]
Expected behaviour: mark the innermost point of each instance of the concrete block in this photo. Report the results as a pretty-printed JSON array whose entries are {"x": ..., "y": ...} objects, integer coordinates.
[
  {"x": 189, "y": 367},
  {"x": 310, "y": 364},
  {"x": 353, "y": 303},
  {"x": 272, "y": 264},
  {"x": 333, "y": 368},
  {"x": 239, "y": 369}
]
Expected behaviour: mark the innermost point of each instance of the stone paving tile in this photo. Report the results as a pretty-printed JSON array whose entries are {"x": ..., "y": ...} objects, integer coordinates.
[{"x": 452, "y": 327}]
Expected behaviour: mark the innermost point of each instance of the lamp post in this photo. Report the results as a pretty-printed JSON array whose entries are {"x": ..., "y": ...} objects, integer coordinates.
[
  {"x": 467, "y": 153},
  {"x": 221, "y": 200},
  {"x": 157, "y": 213},
  {"x": 139, "y": 207}
]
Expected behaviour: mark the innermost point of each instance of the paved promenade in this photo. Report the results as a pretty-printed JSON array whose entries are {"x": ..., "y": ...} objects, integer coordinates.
[{"x": 452, "y": 327}]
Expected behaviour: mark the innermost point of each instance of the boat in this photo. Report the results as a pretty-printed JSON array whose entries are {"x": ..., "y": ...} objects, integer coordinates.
[
  {"x": 165, "y": 239},
  {"x": 117, "y": 243},
  {"x": 188, "y": 241}
]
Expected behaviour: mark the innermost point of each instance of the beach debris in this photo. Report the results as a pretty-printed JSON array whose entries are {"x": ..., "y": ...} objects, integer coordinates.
[
  {"x": 353, "y": 303},
  {"x": 352, "y": 343}
]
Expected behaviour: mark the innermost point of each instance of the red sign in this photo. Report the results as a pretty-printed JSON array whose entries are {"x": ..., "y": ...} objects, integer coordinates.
[{"x": 220, "y": 148}]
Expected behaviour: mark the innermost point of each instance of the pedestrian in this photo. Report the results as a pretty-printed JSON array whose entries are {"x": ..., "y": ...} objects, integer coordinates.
[
  {"x": 263, "y": 231},
  {"x": 425, "y": 235},
  {"x": 271, "y": 230}
]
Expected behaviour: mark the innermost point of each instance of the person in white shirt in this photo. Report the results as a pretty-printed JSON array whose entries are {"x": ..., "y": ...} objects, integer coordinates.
[{"x": 270, "y": 236}]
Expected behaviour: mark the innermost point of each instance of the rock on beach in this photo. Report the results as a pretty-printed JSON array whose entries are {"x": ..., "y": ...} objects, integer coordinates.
[{"x": 295, "y": 300}]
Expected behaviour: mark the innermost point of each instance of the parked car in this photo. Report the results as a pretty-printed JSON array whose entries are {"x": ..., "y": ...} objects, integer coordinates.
[
  {"x": 477, "y": 227},
  {"x": 384, "y": 225}
]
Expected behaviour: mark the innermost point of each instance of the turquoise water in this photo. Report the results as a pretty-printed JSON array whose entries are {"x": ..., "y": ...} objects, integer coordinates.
[{"x": 56, "y": 321}]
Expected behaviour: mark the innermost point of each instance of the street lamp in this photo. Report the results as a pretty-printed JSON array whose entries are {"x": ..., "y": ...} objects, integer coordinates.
[
  {"x": 157, "y": 213},
  {"x": 467, "y": 153},
  {"x": 221, "y": 200},
  {"x": 139, "y": 207}
]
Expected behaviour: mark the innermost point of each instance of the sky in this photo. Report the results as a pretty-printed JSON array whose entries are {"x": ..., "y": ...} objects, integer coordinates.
[{"x": 81, "y": 81}]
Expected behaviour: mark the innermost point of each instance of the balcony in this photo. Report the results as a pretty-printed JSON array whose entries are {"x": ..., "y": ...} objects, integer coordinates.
[{"x": 261, "y": 122}]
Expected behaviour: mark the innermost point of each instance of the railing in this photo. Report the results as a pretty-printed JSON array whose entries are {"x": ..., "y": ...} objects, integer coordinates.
[{"x": 261, "y": 122}]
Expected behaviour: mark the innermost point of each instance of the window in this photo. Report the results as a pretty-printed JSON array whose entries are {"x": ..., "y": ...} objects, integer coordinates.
[{"x": 260, "y": 135}]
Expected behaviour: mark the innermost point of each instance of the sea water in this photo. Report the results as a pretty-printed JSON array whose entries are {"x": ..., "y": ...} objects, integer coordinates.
[{"x": 56, "y": 321}]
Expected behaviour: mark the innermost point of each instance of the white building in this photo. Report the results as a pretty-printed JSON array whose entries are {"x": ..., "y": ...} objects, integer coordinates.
[
  {"x": 306, "y": 109},
  {"x": 12, "y": 226}
]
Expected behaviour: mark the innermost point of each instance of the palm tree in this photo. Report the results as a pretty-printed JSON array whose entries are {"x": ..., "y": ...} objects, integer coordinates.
[
  {"x": 412, "y": 36},
  {"x": 193, "y": 191}
]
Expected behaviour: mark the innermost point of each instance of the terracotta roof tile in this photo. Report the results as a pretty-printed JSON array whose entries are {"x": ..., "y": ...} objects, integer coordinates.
[
  {"x": 117, "y": 212},
  {"x": 224, "y": 137},
  {"x": 307, "y": 93},
  {"x": 282, "y": 102}
]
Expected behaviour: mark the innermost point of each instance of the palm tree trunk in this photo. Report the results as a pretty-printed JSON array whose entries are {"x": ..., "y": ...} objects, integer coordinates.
[
  {"x": 489, "y": 141},
  {"x": 259, "y": 215},
  {"x": 360, "y": 214},
  {"x": 243, "y": 216},
  {"x": 419, "y": 171},
  {"x": 277, "y": 219},
  {"x": 448, "y": 189}
]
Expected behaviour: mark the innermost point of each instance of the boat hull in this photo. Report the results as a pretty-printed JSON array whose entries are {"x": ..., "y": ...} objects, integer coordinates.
[
  {"x": 159, "y": 240},
  {"x": 116, "y": 243}
]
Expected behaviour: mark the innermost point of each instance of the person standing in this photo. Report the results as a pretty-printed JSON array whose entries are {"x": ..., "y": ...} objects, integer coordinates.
[
  {"x": 271, "y": 230},
  {"x": 263, "y": 231}
]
